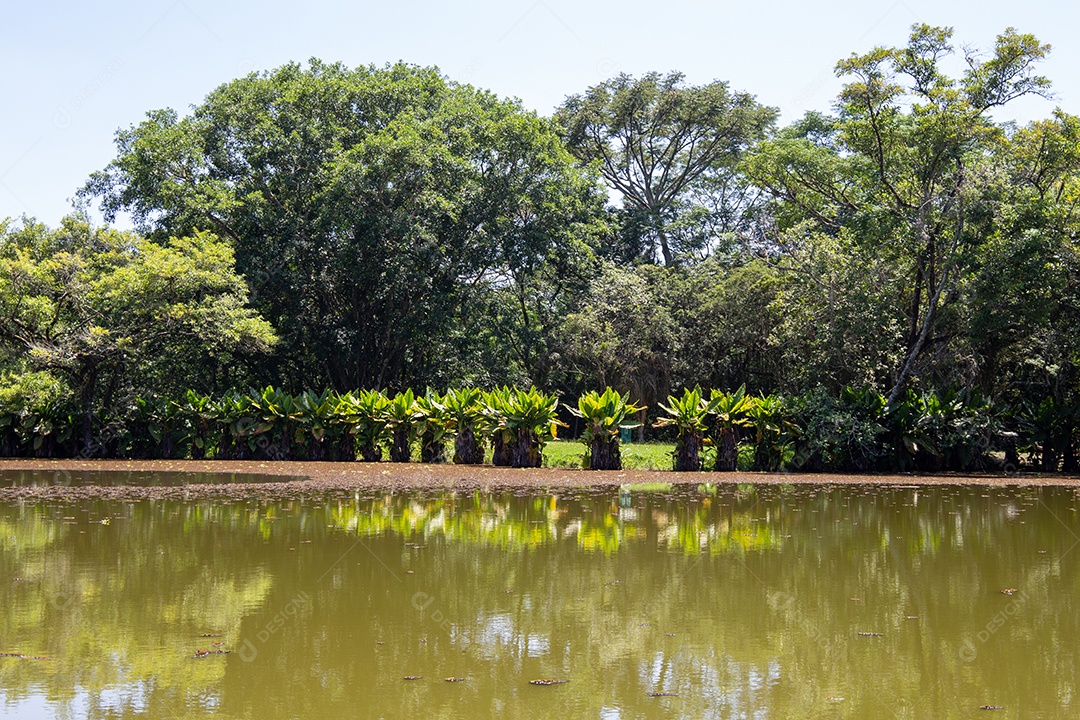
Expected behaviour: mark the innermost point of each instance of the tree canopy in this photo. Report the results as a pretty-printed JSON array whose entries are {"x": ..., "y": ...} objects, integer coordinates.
[
  {"x": 366, "y": 206},
  {"x": 386, "y": 227}
]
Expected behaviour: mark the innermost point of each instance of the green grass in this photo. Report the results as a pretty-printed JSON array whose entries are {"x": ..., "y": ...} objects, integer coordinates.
[{"x": 635, "y": 456}]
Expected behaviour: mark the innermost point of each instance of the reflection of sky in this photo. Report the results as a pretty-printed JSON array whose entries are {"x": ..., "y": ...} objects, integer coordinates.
[{"x": 497, "y": 634}]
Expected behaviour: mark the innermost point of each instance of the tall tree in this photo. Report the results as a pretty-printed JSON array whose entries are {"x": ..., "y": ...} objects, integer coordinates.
[
  {"x": 901, "y": 167},
  {"x": 370, "y": 208},
  {"x": 655, "y": 140}
]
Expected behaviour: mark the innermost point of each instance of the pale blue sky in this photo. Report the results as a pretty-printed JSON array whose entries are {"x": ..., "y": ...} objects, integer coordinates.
[{"x": 75, "y": 72}]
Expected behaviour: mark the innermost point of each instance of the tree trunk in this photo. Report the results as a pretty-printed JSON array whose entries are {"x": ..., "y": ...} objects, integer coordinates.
[
  {"x": 431, "y": 450},
  {"x": 371, "y": 452},
  {"x": 86, "y": 407},
  {"x": 502, "y": 455},
  {"x": 346, "y": 448},
  {"x": 400, "y": 451},
  {"x": 605, "y": 455},
  {"x": 727, "y": 454},
  {"x": 526, "y": 451},
  {"x": 688, "y": 453},
  {"x": 467, "y": 448}
]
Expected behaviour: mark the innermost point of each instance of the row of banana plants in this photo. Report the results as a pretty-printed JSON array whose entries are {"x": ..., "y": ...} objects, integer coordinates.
[
  {"x": 858, "y": 431},
  {"x": 271, "y": 424},
  {"x": 854, "y": 431}
]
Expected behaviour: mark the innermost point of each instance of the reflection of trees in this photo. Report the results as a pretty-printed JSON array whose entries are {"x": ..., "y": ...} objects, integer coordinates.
[
  {"x": 738, "y": 599},
  {"x": 119, "y": 609}
]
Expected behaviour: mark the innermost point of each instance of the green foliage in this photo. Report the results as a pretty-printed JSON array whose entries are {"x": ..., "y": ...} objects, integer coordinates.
[
  {"x": 731, "y": 411},
  {"x": 391, "y": 199},
  {"x": 770, "y": 418},
  {"x": 689, "y": 415},
  {"x": 433, "y": 424},
  {"x": 656, "y": 140},
  {"x": 521, "y": 421},
  {"x": 606, "y": 415},
  {"x": 466, "y": 416},
  {"x": 97, "y": 306},
  {"x": 899, "y": 281},
  {"x": 367, "y": 414}
]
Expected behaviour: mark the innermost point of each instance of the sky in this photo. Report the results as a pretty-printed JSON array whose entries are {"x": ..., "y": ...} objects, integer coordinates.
[{"x": 76, "y": 72}]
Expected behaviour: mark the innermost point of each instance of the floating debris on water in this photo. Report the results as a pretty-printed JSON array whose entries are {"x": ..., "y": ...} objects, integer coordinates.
[
  {"x": 871, "y": 634},
  {"x": 548, "y": 682},
  {"x": 21, "y": 656},
  {"x": 663, "y": 694},
  {"x": 454, "y": 679},
  {"x": 202, "y": 652}
]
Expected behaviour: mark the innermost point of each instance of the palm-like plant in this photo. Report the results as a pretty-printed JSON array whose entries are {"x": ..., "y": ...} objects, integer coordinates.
[
  {"x": 238, "y": 429},
  {"x": 465, "y": 413},
  {"x": 605, "y": 415},
  {"x": 689, "y": 416},
  {"x": 432, "y": 425},
  {"x": 365, "y": 414},
  {"x": 522, "y": 422},
  {"x": 774, "y": 433},
  {"x": 731, "y": 410},
  {"x": 199, "y": 431},
  {"x": 48, "y": 429},
  {"x": 154, "y": 426},
  {"x": 1046, "y": 430},
  {"x": 316, "y": 430},
  {"x": 277, "y": 416},
  {"x": 402, "y": 415}
]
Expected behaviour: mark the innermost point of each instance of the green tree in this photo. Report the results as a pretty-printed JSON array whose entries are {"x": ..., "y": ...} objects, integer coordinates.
[
  {"x": 662, "y": 144},
  {"x": 371, "y": 209},
  {"x": 903, "y": 168},
  {"x": 105, "y": 310}
]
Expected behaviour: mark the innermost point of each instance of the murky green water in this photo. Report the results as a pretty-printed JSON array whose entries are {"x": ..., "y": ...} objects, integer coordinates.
[{"x": 804, "y": 602}]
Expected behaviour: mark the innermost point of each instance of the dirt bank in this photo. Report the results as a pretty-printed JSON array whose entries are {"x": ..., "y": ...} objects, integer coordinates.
[{"x": 187, "y": 479}]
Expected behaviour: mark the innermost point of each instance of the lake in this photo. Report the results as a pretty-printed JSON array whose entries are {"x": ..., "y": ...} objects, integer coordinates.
[{"x": 641, "y": 602}]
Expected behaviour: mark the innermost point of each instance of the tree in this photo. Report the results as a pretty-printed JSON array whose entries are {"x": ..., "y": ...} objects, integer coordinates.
[
  {"x": 657, "y": 141},
  {"x": 902, "y": 166},
  {"x": 621, "y": 335},
  {"x": 372, "y": 210},
  {"x": 102, "y": 308}
]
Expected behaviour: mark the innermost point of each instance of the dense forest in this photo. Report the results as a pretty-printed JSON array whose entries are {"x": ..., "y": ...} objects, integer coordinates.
[{"x": 317, "y": 226}]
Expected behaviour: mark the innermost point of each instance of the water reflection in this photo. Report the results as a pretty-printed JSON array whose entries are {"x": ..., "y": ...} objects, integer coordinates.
[
  {"x": 120, "y": 478},
  {"x": 718, "y": 602}
]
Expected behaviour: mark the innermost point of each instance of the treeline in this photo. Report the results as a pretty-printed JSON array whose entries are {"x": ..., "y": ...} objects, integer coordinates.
[
  {"x": 855, "y": 431},
  {"x": 385, "y": 227}
]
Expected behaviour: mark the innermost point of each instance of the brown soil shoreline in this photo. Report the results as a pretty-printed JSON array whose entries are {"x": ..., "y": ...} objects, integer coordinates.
[{"x": 293, "y": 479}]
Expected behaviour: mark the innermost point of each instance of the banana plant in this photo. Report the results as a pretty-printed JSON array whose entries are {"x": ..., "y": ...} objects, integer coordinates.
[
  {"x": 199, "y": 431},
  {"x": 432, "y": 426},
  {"x": 365, "y": 414},
  {"x": 774, "y": 433},
  {"x": 465, "y": 414},
  {"x": 402, "y": 415},
  {"x": 689, "y": 416},
  {"x": 606, "y": 415},
  {"x": 276, "y": 415},
  {"x": 731, "y": 411},
  {"x": 1046, "y": 430},
  {"x": 239, "y": 427},
  {"x": 316, "y": 430},
  {"x": 153, "y": 430},
  {"x": 905, "y": 431},
  {"x": 47, "y": 429},
  {"x": 522, "y": 422}
]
